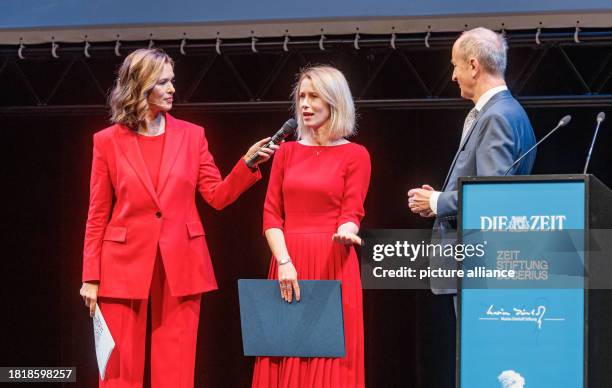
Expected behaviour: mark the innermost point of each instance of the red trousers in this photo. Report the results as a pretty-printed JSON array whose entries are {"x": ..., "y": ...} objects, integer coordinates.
[{"x": 174, "y": 329}]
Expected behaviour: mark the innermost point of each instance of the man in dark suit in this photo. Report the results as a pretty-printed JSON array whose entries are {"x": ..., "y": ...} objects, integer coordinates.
[{"x": 496, "y": 132}]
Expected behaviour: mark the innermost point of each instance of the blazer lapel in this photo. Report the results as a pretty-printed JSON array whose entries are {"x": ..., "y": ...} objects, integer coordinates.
[
  {"x": 172, "y": 145},
  {"x": 128, "y": 142},
  {"x": 496, "y": 97},
  {"x": 465, "y": 139},
  {"x": 489, "y": 103}
]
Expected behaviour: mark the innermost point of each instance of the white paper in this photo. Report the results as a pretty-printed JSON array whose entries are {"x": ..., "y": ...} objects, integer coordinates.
[{"x": 104, "y": 341}]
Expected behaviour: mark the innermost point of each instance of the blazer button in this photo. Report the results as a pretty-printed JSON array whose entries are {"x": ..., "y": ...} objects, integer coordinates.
[{"x": 158, "y": 214}]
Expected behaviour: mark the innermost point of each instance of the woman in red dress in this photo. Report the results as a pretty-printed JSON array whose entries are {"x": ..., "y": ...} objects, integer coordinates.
[{"x": 312, "y": 214}]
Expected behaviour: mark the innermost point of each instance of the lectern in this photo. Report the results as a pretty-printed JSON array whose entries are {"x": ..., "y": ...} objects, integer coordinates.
[{"x": 550, "y": 323}]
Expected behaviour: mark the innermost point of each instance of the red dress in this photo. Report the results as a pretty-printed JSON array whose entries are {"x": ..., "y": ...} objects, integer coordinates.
[{"x": 313, "y": 190}]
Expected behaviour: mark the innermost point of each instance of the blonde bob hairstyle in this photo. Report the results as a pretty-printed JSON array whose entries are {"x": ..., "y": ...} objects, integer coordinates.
[
  {"x": 332, "y": 88},
  {"x": 137, "y": 76}
]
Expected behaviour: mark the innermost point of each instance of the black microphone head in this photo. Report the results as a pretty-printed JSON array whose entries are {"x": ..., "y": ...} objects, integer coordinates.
[
  {"x": 291, "y": 123},
  {"x": 286, "y": 130},
  {"x": 601, "y": 116},
  {"x": 564, "y": 121}
]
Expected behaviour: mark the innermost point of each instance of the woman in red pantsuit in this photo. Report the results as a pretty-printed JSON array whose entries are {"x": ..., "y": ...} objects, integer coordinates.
[
  {"x": 312, "y": 214},
  {"x": 144, "y": 241}
]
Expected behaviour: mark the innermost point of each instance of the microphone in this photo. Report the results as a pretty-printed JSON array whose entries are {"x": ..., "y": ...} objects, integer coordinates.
[
  {"x": 600, "y": 117},
  {"x": 562, "y": 123},
  {"x": 287, "y": 129}
]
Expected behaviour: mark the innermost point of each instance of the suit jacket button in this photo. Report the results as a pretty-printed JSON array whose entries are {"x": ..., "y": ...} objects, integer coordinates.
[{"x": 158, "y": 214}]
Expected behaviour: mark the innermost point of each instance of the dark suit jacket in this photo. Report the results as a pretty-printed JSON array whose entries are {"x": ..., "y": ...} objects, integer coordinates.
[{"x": 500, "y": 134}]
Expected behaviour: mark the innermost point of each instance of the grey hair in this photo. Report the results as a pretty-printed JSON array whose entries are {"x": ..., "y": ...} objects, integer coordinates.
[{"x": 487, "y": 46}]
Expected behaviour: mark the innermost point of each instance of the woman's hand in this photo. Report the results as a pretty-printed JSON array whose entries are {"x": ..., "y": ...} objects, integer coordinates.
[
  {"x": 287, "y": 278},
  {"x": 264, "y": 153},
  {"x": 347, "y": 234},
  {"x": 89, "y": 293},
  {"x": 346, "y": 238}
]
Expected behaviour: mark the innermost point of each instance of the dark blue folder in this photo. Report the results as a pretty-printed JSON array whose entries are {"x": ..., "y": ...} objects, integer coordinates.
[{"x": 312, "y": 327}]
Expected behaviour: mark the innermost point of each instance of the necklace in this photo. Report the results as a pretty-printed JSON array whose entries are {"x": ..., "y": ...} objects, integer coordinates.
[{"x": 331, "y": 143}]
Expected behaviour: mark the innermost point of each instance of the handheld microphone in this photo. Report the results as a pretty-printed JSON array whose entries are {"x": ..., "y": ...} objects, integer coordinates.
[
  {"x": 562, "y": 123},
  {"x": 600, "y": 117},
  {"x": 287, "y": 129}
]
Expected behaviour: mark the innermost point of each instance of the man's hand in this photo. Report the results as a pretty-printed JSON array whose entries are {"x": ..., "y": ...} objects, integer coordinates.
[
  {"x": 418, "y": 201},
  {"x": 429, "y": 214}
]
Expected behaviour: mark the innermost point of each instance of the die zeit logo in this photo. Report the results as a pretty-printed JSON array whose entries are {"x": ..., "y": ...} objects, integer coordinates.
[{"x": 519, "y": 223}]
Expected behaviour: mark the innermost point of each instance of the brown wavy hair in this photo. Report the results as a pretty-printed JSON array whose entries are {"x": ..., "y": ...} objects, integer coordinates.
[{"x": 137, "y": 76}]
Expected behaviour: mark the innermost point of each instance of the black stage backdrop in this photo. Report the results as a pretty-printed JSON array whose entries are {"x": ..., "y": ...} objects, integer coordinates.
[{"x": 409, "y": 335}]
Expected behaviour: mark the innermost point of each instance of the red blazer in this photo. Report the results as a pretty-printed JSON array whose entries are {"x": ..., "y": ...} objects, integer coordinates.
[{"x": 120, "y": 252}]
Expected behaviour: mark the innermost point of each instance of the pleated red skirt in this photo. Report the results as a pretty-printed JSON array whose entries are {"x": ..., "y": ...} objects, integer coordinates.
[{"x": 317, "y": 257}]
